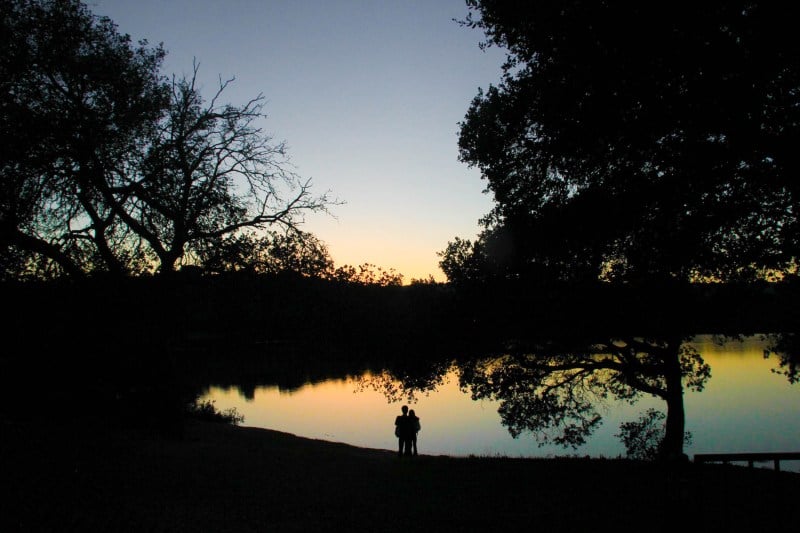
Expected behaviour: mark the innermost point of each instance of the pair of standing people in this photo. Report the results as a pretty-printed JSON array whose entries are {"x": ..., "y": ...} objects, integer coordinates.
[{"x": 406, "y": 427}]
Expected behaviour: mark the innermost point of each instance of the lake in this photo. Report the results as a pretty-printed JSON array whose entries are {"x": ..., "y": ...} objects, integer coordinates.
[{"x": 745, "y": 407}]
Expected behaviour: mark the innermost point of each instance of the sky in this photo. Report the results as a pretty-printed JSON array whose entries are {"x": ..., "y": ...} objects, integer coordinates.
[{"x": 367, "y": 95}]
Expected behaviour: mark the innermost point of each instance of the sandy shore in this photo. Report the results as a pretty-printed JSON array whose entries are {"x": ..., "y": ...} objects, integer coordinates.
[{"x": 215, "y": 477}]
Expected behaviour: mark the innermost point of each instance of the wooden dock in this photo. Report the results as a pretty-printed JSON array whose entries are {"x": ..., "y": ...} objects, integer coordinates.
[{"x": 750, "y": 458}]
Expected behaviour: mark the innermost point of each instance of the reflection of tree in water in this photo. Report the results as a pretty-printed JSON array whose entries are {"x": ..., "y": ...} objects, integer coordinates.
[
  {"x": 786, "y": 347},
  {"x": 407, "y": 382},
  {"x": 553, "y": 390}
]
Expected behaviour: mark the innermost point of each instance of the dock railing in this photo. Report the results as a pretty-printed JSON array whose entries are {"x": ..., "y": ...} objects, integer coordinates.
[{"x": 750, "y": 458}]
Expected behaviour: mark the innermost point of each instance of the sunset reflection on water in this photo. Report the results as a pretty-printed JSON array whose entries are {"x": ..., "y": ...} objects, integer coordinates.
[{"x": 744, "y": 407}]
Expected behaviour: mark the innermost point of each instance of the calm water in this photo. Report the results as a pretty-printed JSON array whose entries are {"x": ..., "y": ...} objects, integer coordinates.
[{"x": 744, "y": 408}]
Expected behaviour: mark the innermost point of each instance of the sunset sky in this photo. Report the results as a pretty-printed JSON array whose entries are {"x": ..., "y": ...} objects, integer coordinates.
[{"x": 367, "y": 95}]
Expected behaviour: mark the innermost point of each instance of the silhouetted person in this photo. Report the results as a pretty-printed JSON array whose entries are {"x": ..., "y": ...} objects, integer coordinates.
[
  {"x": 403, "y": 430},
  {"x": 415, "y": 426}
]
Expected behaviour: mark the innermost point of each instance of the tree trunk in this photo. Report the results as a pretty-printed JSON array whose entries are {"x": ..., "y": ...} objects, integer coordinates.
[
  {"x": 672, "y": 445},
  {"x": 167, "y": 265}
]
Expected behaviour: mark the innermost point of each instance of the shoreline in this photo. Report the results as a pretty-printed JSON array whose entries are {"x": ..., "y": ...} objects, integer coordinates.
[{"x": 218, "y": 477}]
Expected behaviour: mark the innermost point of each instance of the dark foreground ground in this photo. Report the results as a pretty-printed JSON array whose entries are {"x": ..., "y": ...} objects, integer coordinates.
[{"x": 216, "y": 477}]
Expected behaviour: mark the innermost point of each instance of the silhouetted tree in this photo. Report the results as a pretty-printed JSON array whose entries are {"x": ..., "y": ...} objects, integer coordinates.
[
  {"x": 211, "y": 172},
  {"x": 786, "y": 348},
  {"x": 426, "y": 281},
  {"x": 406, "y": 381},
  {"x": 554, "y": 390},
  {"x": 462, "y": 261},
  {"x": 270, "y": 253},
  {"x": 367, "y": 274},
  {"x": 642, "y": 438},
  {"x": 638, "y": 140},
  {"x": 77, "y": 99},
  {"x": 629, "y": 141},
  {"x": 108, "y": 166}
]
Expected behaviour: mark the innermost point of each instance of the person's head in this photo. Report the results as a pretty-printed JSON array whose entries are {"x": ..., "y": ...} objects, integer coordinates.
[
  {"x": 411, "y": 413},
  {"x": 405, "y": 409}
]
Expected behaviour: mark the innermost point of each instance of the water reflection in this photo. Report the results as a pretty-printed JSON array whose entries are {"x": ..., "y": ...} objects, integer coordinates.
[
  {"x": 745, "y": 407},
  {"x": 553, "y": 389}
]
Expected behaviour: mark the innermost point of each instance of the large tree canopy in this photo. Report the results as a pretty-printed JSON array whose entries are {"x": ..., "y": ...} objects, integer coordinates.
[
  {"x": 76, "y": 95},
  {"x": 638, "y": 139},
  {"x": 107, "y": 165}
]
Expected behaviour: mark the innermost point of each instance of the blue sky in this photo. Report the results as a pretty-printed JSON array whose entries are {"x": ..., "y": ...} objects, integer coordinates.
[{"x": 367, "y": 95}]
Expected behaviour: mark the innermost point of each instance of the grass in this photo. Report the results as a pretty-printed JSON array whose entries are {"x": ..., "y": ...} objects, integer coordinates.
[{"x": 82, "y": 476}]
